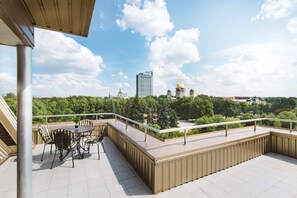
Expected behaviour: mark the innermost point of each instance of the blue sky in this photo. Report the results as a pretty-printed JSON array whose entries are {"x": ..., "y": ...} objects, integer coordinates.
[{"x": 219, "y": 48}]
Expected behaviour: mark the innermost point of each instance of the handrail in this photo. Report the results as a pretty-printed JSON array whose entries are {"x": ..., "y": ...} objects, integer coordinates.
[
  {"x": 8, "y": 119},
  {"x": 71, "y": 115},
  {"x": 184, "y": 129},
  {"x": 209, "y": 125},
  {"x": 282, "y": 120}
]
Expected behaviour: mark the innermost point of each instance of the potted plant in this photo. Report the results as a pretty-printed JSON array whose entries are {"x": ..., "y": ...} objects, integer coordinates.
[{"x": 76, "y": 120}]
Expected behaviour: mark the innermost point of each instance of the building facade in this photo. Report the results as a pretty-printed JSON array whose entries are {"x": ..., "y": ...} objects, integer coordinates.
[
  {"x": 192, "y": 94},
  {"x": 144, "y": 84},
  {"x": 180, "y": 90},
  {"x": 169, "y": 94}
]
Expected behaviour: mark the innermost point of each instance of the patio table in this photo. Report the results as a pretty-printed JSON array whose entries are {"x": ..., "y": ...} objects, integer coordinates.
[{"x": 79, "y": 132}]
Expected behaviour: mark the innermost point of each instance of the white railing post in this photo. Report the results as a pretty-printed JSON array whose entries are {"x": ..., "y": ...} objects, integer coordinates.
[
  {"x": 145, "y": 134},
  {"x": 185, "y": 136},
  {"x": 226, "y": 131},
  {"x": 255, "y": 126}
]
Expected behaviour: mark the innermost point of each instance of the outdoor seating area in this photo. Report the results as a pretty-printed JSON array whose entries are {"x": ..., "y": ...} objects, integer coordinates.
[{"x": 71, "y": 139}]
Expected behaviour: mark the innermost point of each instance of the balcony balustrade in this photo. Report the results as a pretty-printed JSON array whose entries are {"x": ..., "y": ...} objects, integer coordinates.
[{"x": 164, "y": 164}]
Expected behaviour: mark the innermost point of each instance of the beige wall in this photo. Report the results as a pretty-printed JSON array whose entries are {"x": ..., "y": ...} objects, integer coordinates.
[
  {"x": 167, "y": 173},
  {"x": 285, "y": 144}
]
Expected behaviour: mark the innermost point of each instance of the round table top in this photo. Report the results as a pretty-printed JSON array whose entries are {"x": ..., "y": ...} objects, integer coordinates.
[{"x": 80, "y": 129}]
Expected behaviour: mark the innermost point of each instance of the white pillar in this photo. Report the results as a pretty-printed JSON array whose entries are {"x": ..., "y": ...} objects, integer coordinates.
[{"x": 24, "y": 122}]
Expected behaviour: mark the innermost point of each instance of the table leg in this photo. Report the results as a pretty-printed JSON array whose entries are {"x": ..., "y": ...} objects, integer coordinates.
[{"x": 61, "y": 155}]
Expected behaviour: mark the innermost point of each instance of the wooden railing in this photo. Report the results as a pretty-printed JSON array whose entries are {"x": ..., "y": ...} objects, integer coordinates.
[
  {"x": 8, "y": 119},
  {"x": 4, "y": 152}
]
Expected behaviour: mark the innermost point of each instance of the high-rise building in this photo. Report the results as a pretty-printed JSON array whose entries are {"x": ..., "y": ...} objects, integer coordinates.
[{"x": 144, "y": 84}]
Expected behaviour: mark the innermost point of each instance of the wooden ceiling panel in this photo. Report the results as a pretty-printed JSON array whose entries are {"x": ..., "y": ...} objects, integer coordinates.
[{"x": 68, "y": 16}]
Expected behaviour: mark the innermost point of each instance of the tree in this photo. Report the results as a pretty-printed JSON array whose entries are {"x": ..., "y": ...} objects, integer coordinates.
[
  {"x": 231, "y": 108},
  {"x": 173, "y": 120},
  {"x": 248, "y": 116},
  {"x": 205, "y": 120},
  {"x": 287, "y": 115},
  {"x": 163, "y": 113},
  {"x": 182, "y": 107},
  {"x": 11, "y": 100},
  {"x": 282, "y": 104},
  {"x": 201, "y": 106},
  {"x": 137, "y": 110},
  {"x": 163, "y": 119}
]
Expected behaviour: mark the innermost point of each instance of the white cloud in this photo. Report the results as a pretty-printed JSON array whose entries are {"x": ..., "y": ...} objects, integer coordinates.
[
  {"x": 168, "y": 55},
  {"x": 121, "y": 84},
  {"x": 275, "y": 9},
  {"x": 123, "y": 75},
  {"x": 67, "y": 84},
  {"x": 292, "y": 25},
  {"x": 146, "y": 17},
  {"x": 61, "y": 67},
  {"x": 7, "y": 83},
  {"x": 264, "y": 69},
  {"x": 56, "y": 53},
  {"x": 7, "y": 69}
]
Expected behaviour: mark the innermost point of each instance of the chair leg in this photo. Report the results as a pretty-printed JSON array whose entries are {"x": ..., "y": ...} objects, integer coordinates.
[
  {"x": 72, "y": 159},
  {"x": 103, "y": 146},
  {"x": 51, "y": 148},
  {"x": 54, "y": 159},
  {"x": 43, "y": 152},
  {"x": 98, "y": 151}
]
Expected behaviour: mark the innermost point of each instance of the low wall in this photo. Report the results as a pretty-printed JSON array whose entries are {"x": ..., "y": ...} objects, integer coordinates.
[
  {"x": 285, "y": 144},
  {"x": 170, "y": 173},
  {"x": 163, "y": 174},
  {"x": 139, "y": 159}
]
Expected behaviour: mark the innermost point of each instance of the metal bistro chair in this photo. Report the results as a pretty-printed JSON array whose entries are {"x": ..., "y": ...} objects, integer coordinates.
[
  {"x": 46, "y": 136},
  {"x": 86, "y": 122},
  {"x": 98, "y": 139},
  {"x": 64, "y": 140}
]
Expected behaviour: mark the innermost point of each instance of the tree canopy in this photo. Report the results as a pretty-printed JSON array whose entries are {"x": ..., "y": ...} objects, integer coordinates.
[{"x": 167, "y": 111}]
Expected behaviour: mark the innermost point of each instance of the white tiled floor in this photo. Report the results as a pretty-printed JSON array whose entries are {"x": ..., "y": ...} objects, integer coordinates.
[{"x": 270, "y": 175}]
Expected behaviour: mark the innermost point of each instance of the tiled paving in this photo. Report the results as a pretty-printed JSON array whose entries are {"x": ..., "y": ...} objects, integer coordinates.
[{"x": 270, "y": 175}]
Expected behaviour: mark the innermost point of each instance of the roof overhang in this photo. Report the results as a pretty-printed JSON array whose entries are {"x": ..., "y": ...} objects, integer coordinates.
[{"x": 18, "y": 17}]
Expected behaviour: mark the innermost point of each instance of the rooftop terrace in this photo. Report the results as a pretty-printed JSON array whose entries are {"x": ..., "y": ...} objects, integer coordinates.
[
  {"x": 270, "y": 175},
  {"x": 238, "y": 165}
]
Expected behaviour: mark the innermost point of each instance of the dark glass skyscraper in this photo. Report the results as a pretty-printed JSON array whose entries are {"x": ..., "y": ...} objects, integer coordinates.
[{"x": 144, "y": 84}]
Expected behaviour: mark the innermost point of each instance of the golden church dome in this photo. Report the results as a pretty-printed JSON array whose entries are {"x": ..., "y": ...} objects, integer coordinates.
[{"x": 180, "y": 85}]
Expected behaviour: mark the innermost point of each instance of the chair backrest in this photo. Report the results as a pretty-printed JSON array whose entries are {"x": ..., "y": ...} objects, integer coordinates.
[
  {"x": 86, "y": 122},
  {"x": 45, "y": 133},
  {"x": 102, "y": 134},
  {"x": 63, "y": 139}
]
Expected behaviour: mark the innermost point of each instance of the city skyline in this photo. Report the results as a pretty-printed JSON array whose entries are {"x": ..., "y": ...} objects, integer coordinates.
[{"x": 216, "y": 48}]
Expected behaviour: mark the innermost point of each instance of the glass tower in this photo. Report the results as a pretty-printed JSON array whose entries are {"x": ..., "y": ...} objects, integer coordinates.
[{"x": 144, "y": 84}]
